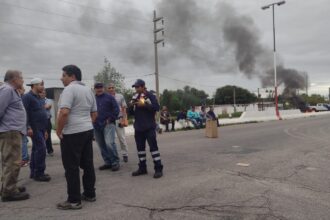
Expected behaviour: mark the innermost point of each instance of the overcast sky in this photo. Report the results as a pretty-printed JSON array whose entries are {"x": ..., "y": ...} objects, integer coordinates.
[{"x": 39, "y": 37}]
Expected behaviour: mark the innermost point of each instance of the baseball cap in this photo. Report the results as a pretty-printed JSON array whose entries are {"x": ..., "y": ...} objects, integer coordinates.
[
  {"x": 35, "y": 81},
  {"x": 98, "y": 85},
  {"x": 139, "y": 82}
]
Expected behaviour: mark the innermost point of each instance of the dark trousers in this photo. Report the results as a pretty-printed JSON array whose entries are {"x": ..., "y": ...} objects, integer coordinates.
[
  {"x": 166, "y": 123},
  {"x": 77, "y": 151},
  {"x": 49, "y": 144},
  {"x": 38, "y": 154},
  {"x": 150, "y": 136}
]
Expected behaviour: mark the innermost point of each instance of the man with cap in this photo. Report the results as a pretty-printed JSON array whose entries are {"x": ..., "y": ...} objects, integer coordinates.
[
  {"x": 12, "y": 127},
  {"x": 37, "y": 130},
  {"x": 105, "y": 127},
  {"x": 120, "y": 129},
  {"x": 144, "y": 106}
]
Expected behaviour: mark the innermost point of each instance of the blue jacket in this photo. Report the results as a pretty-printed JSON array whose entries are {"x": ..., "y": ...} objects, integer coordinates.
[
  {"x": 35, "y": 111},
  {"x": 144, "y": 115},
  {"x": 107, "y": 110}
]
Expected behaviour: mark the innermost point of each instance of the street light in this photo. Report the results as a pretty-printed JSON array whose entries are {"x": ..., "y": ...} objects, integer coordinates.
[{"x": 275, "y": 73}]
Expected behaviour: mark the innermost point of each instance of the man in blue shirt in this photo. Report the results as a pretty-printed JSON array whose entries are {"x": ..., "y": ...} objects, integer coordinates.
[
  {"x": 12, "y": 127},
  {"x": 144, "y": 106},
  {"x": 37, "y": 125},
  {"x": 105, "y": 127}
]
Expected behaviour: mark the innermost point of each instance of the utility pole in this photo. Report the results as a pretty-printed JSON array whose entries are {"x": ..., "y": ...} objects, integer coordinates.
[
  {"x": 306, "y": 81},
  {"x": 329, "y": 95},
  {"x": 156, "y": 42},
  {"x": 234, "y": 96}
]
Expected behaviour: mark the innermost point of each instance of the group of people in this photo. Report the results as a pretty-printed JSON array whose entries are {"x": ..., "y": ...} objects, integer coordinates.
[
  {"x": 82, "y": 116},
  {"x": 198, "y": 119}
]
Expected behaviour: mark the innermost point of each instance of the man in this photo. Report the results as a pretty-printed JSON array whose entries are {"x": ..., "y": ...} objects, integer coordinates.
[
  {"x": 48, "y": 105},
  {"x": 77, "y": 111},
  {"x": 25, "y": 152},
  {"x": 120, "y": 127},
  {"x": 165, "y": 119},
  {"x": 105, "y": 127},
  {"x": 194, "y": 117},
  {"x": 144, "y": 106},
  {"x": 37, "y": 120},
  {"x": 210, "y": 115},
  {"x": 12, "y": 127}
]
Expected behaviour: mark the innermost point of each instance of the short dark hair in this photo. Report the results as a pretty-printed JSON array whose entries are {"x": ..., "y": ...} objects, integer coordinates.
[{"x": 71, "y": 70}]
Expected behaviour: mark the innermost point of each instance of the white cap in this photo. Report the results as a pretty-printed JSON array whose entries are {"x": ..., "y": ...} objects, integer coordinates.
[{"x": 35, "y": 81}]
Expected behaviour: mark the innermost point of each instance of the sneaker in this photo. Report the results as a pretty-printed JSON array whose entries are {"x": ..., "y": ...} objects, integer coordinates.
[
  {"x": 21, "y": 189},
  {"x": 140, "y": 172},
  {"x": 24, "y": 163},
  {"x": 43, "y": 178},
  {"x": 51, "y": 154},
  {"x": 158, "y": 174},
  {"x": 115, "y": 167},
  {"x": 125, "y": 158},
  {"x": 88, "y": 199},
  {"x": 18, "y": 196},
  {"x": 105, "y": 167},
  {"x": 67, "y": 205}
]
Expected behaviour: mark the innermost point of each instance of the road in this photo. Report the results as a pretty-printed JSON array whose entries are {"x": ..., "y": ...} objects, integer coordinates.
[{"x": 288, "y": 177}]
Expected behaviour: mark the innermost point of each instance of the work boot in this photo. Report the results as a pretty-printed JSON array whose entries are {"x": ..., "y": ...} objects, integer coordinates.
[
  {"x": 105, "y": 167},
  {"x": 17, "y": 196},
  {"x": 115, "y": 167},
  {"x": 158, "y": 171},
  {"x": 140, "y": 171},
  {"x": 43, "y": 178}
]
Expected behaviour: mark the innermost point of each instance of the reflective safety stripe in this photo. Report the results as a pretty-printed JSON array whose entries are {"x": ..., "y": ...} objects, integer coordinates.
[
  {"x": 155, "y": 152},
  {"x": 141, "y": 152},
  {"x": 156, "y": 158},
  {"x": 142, "y": 158}
]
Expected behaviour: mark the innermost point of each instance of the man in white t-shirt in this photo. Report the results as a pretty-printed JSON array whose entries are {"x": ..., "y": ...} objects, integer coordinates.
[
  {"x": 77, "y": 111},
  {"x": 120, "y": 129}
]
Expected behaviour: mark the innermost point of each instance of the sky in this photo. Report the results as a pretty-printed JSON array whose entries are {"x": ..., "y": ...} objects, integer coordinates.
[{"x": 208, "y": 44}]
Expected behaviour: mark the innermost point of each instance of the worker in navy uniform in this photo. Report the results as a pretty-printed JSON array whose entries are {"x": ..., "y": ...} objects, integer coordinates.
[{"x": 144, "y": 106}]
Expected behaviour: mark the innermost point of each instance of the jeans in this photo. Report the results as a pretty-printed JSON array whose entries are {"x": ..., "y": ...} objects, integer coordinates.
[
  {"x": 25, "y": 152},
  {"x": 105, "y": 138},
  {"x": 77, "y": 151},
  {"x": 49, "y": 144},
  {"x": 38, "y": 154}
]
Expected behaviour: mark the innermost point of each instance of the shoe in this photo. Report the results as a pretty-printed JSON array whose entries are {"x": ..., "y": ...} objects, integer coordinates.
[
  {"x": 158, "y": 174},
  {"x": 125, "y": 159},
  {"x": 140, "y": 172},
  {"x": 105, "y": 167},
  {"x": 43, "y": 178},
  {"x": 88, "y": 199},
  {"x": 21, "y": 189},
  {"x": 160, "y": 131},
  {"x": 18, "y": 196},
  {"x": 67, "y": 205},
  {"x": 51, "y": 154},
  {"x": 24, "y": 163},
  {"x": 115, "y": 167}
]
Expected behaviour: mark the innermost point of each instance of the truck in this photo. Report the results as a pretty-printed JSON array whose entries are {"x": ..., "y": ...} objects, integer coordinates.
[{"x": 318, "y": 107}]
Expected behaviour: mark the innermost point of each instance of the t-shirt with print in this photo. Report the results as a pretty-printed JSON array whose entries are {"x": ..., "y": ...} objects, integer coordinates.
[{"x": 81, "y": 102}]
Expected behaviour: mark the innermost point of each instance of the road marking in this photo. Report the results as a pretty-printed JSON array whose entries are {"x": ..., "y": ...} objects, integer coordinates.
[
  {"x": 236, "y": 146},
  {"x": 243, "y": 164}
]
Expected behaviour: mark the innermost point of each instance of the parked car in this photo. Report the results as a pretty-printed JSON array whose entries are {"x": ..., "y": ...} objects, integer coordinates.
[{"x": 318, "y": 107}]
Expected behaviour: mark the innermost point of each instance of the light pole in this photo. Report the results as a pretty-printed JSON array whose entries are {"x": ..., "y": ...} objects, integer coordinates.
[{"x": 275, "y": 73}]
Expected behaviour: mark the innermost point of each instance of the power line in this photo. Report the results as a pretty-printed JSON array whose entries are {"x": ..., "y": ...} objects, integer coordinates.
[
  {"x": 188, "y": 83},
  {"x": 61, "y": 31},
  {"x": 67, "y": 16},
  {"x": 101, "y": 9}
]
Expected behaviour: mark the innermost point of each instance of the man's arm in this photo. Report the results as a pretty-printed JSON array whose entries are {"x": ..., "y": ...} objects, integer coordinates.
[
  {"x": 61, "y": 121},
  {"x": 6, "y": 98},
  {"x": 93, "y": 116}
]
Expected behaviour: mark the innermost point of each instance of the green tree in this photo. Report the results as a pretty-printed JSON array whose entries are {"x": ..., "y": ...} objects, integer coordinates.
[
  {"x": 110, "y": 74},
  {"x": 313, "y": 99},
  {"x": 225, "y": 95}
]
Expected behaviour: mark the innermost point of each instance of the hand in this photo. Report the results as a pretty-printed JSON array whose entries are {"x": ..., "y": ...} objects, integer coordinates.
[
  {"x": 46, "y": 135},
  {"x": 30, "y": 132},
  {"x": 59, "y": 134},
  {"x": 140, "y": 103}
]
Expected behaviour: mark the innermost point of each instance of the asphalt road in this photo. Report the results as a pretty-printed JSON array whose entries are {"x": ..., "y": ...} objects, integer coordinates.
[{"x": 288, "y": 177}]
